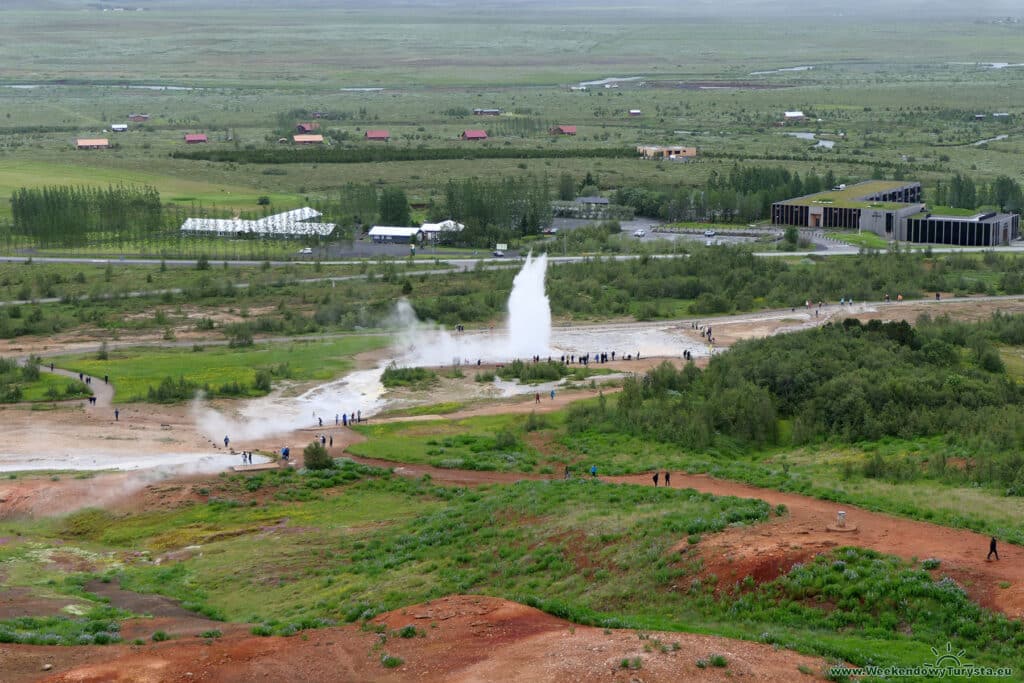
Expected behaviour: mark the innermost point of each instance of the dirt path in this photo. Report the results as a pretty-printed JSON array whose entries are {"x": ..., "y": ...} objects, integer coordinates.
[
  {"x": 773, "y": 547},
  {"x": 462, "y": 639},
  {"x": 103, "y": 391}
]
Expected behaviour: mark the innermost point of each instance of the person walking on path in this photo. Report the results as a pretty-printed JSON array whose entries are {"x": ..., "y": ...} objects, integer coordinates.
[
  {"x": 321, "y": 421},
  {"x": 992, "y": 549},
  {"x": 331, "y": 441},
  {"x": 226, "y": 441},
  {"x": 655, "y": 478},
  {"x": 667, "y": 475},
  {"x": 593, "y": 470},
  {"x": 117, "y": 414},
  {"x": 568, "y": 473},
  {"x": 552, "y": 394},
  {"x": 344, "y": 419},
  {"x": 537, "y": 397}
]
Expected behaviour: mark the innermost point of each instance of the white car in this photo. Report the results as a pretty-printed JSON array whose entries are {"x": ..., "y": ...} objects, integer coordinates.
[
  {"x": 639, "y": 233},
  {"x": 306, "y": 250},
  {"x": 709, "y": 233}
]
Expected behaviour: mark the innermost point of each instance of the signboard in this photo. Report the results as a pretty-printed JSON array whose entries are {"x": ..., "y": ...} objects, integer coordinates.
[{"x": 501, "y": 247}]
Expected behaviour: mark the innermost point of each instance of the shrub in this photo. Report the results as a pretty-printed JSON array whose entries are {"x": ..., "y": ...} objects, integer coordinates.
[
  {"x": 160, "y": 636},
  {"x": 390, "y": 661},
  {"x": 395, "y": 376},
  {"x": 317, "y": 457}
]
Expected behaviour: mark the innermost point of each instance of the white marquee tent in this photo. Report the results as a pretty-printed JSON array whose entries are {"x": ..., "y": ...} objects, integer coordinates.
[{"x": 288, "y": 224}]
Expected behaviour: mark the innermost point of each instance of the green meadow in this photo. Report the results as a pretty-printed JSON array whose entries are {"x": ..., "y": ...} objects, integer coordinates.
[{"x": 135, "y": 372}]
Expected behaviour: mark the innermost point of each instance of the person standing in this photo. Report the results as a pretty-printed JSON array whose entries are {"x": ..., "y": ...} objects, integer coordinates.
[
  {"x": 117, "y": 414},
  {"x": 226, "y": 441},
  {"x": 667, "y": 480},
  {"x": 552, "y": 394},
  {"x": 655, "y": 478},
  {"x": 344, "y": 419},
  {"x": 992, "y": 549},
  {"x": 593, "y": 470},
  {"x": 331, "y": 441}
]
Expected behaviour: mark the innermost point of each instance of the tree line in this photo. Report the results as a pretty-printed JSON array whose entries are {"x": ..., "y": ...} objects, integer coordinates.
[
  {"x": 961, "y": 192},
  {"x": 496, "y": 210},
  {"x": 363, "y": 154},
  {"x": 845, "y": 383},
  {"x": 64, "y": 215},
  {"x": 745, "y": 194}
]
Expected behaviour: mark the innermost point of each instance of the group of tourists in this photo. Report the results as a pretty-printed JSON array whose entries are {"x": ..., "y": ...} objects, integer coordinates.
[
  {"x": 596, "y": 357},
  {"x": 346, "y": 418},
  {"x": 705, "y": 332}
]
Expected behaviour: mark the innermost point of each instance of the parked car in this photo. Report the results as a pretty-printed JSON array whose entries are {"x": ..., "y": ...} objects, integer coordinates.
[
  {"x": 306, "y": 250},
  {"x": 639, "y": 233},
  {"x": 499, "y": 254},
  {"x": 709, "y": 233}
]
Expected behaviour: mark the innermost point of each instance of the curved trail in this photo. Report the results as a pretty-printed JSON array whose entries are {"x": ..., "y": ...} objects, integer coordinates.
[{"x": 103, "y": 391}]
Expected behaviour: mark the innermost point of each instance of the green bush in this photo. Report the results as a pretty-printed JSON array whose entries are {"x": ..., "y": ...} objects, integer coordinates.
[
  {"x": 316, "y": 457},
  {"x": 395, "y": 376}
]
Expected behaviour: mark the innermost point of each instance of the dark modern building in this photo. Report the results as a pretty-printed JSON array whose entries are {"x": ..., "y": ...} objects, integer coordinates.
[
  {"x": 894, "y": 210},
  {"x": 977, "y": 230}
]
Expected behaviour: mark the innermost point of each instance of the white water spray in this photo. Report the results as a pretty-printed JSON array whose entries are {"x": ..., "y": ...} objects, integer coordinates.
[
  {"x": 529, "y": 311},
  {"x": 527, "y": 332}
]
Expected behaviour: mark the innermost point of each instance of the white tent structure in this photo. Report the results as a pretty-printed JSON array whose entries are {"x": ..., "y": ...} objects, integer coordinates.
[
  {"x": 432, "y": 231},
  {"x": 288, "y": 224}
]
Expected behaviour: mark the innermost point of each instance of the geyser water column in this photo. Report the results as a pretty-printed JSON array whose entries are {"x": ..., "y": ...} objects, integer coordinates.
[{"x": 529, "y": 311}]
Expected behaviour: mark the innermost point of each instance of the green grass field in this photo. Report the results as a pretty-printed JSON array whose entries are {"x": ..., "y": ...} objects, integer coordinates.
[
  {"x": 135, "y": 371},
  {"x": 176, "y": 185},
  {"x": 866, "y": 240}
]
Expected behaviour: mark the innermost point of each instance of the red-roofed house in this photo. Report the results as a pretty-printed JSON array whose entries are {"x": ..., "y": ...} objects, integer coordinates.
[
  {"x": 308, "y": 139},
  {"x": 474, "y": 135},
  {"x": 377, "y": 135},
  {"x": 307, "y": 127},
  {"x": 195, "y": 138},
  {"x": 562, "y": 130}
]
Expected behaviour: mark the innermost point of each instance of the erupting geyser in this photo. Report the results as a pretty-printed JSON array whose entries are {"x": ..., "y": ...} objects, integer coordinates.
[{"x": 529, "y": 311}]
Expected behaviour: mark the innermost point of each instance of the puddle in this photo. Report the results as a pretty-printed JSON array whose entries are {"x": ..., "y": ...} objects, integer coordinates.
[
  {"x": 988, "y": 140},
  {"x": 779, "y": 71}
]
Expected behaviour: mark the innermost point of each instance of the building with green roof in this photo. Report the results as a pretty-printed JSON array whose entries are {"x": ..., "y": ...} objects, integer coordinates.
[{"x": 894, "y": 210}]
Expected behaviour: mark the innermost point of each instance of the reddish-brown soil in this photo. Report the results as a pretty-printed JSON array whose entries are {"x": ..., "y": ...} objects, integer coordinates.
[
  {"x": 766, "y": 550},
  {"x": 459, "y": 639}
]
